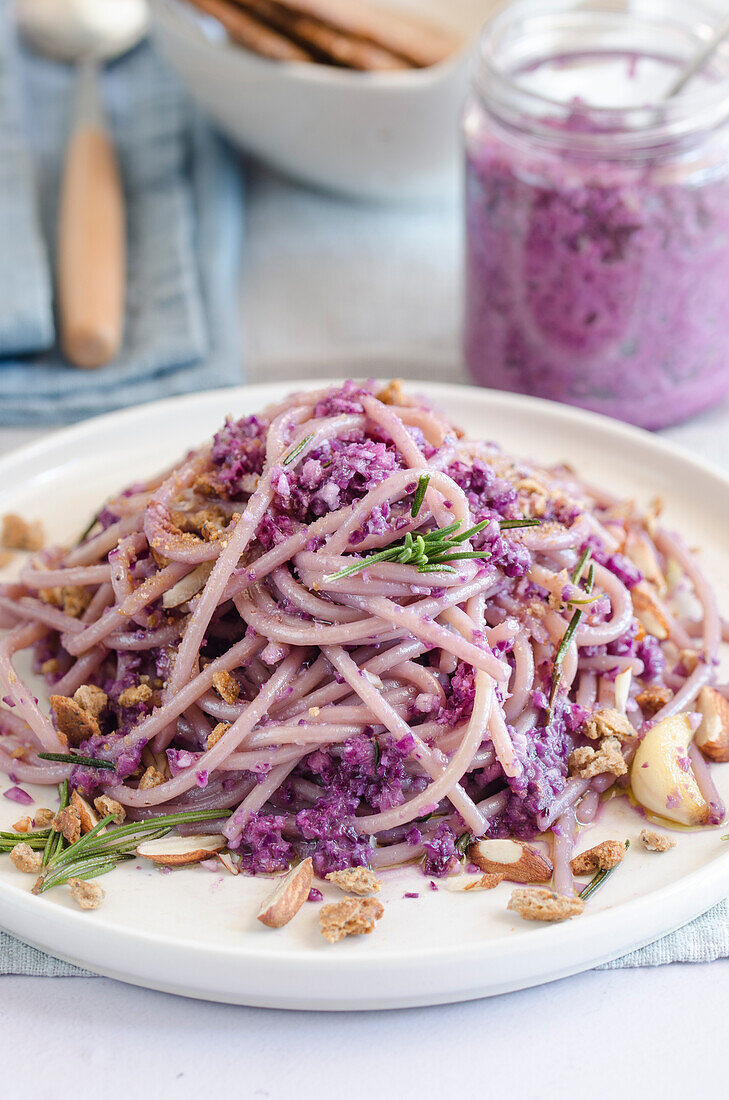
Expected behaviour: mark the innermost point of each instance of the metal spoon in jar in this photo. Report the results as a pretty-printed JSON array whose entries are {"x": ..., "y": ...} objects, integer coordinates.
[
  {"x": 696, "y": 64},
  {"x": 91, "y": 260}
]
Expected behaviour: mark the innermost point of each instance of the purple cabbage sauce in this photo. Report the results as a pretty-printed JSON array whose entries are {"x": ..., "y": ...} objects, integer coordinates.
[{"x": 593, "y": 283}]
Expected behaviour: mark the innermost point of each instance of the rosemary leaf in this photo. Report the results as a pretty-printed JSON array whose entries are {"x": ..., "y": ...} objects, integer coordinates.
[
  {"x": 580, "y": 567},
  {"x": 419, "y": 497},
  {"x": 296, "y": 451},
  {"x": 559, "y": 658},
  {"x": 462, "y": 843},
  {"x": 89, "y": 528},
  {"x": 596, "y": 882},
  {"x": 75, "y": 758},
  {"x": 54, "y": 843},
  {"x": 36, "y": 842},
  {"x": 514, "y": 524},
  {"x": 471, "y": 531}
]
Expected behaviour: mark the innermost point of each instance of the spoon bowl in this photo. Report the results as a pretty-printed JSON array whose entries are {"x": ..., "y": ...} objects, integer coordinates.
[{"x": 70, "y": 30}]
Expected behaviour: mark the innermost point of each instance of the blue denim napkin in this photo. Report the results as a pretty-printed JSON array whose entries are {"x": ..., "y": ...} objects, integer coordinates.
[{"x": 184, "y": 216}]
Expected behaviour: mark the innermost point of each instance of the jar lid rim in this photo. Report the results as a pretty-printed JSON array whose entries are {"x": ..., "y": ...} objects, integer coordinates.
[{"x": 634, "y": 127}]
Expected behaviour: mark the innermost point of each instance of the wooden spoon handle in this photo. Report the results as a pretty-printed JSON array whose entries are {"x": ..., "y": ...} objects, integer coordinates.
[{"x": 91, "y": 250}]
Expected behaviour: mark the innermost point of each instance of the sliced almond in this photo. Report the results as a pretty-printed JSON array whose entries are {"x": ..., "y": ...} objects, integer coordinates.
[
  {"x": 89, "y": 818},
  {"x": 23, "y": 826},
  {"x": 227, "y": 860},
  {"x": 648, "y": 612},
  {"x": 642, "y": 554},
  {"x": 461, "y": 883},
  {"x": 288, "y": 897},
  {"x": 517, "y": 862},
  {"x": 189, "y": 586},
  {"x": 175, "y": 851},
  {"x": 712, "y": 736},
  {"x": 622, "y": 689}
]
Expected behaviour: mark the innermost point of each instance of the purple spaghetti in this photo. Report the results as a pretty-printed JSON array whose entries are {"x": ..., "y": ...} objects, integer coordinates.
[{"x": 359, "y": 712}]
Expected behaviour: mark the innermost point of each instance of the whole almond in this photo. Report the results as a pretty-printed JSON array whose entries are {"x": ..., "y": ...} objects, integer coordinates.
[
  {"x": 516, "y": 861},
  {"x": 288, "y": 897}
]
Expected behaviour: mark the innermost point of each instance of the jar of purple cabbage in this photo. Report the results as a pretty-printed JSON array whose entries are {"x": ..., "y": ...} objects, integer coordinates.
[{"x": 597, "y": 208}]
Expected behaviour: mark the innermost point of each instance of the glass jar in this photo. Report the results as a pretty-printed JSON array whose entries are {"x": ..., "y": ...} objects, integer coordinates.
[{"x": 597, "y": 210}]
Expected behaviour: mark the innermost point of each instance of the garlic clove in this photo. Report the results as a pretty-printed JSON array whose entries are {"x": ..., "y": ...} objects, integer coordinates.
[{"x": 661, "y": 776}]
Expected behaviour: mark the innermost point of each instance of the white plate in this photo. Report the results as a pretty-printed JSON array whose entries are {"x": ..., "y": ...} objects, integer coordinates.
[{"x": 194, "y": 932}]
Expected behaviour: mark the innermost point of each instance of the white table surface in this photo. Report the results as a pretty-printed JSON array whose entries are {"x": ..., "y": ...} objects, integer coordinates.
[{"x": 327, "y": 283}]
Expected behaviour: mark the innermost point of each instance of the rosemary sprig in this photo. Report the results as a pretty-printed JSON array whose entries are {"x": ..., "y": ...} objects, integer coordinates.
[
  {"x": 296, "y": 451},
  {"x": 599, "y": 878},
  {"x": 419, "y": 497},
  {"x": 101, "y": 849},
  {"x": 75, "y": 758},
  {"x": 54, "y": 843},
  {"x": 429, "y": 553}
]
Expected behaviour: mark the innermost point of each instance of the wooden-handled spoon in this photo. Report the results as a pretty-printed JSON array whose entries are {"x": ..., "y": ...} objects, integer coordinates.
[{"x": 91, "y": 254}]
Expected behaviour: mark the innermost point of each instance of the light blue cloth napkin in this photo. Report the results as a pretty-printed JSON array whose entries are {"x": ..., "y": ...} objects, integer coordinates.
[{"x": 184, "y": 217}]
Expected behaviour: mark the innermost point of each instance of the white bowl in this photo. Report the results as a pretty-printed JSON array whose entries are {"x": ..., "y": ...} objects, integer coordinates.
[{"x": 376, "y": 135}]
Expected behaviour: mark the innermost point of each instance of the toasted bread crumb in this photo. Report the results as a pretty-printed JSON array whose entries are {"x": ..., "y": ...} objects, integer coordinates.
[
  {"x": 587, "y": 762},
  {"x": 226, "y": 686},
  {"x": 689, "y": 658},
  {"x": 133, "y": 696},
  {"x": 349, "y": 917},
  {"x": 5, "y": 558},
  {"x": 19, "y": 534},
  {"x": 75, "y": 600},
  {"x": 91, "y": 699},
  {"x": 393, "y": 393},
  {"x": 19, "y": 752},
  {"x": 106, "y": 805},
  {"x": 50, "y": 666},
  {"x": 656, "y": 842},
  {"x": 600, "y": 858},
  {"x": 43, "y": 817},
  {"x": 538, "y": 903},
  {"x": 53, "y": 596},
  {"x": 68, "y": 822},
  {"x": 75, "y": 723},
  {"x": 151, "y": 778},
  {"x": 25, "y": 859},
  {"x": 654, "y": 698},
  {"x": 87, "y": 895},
  {"x": 355, "y": 880},
  {"x": 608, "y": 723},
  {"x": 216, "y": 733}
]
